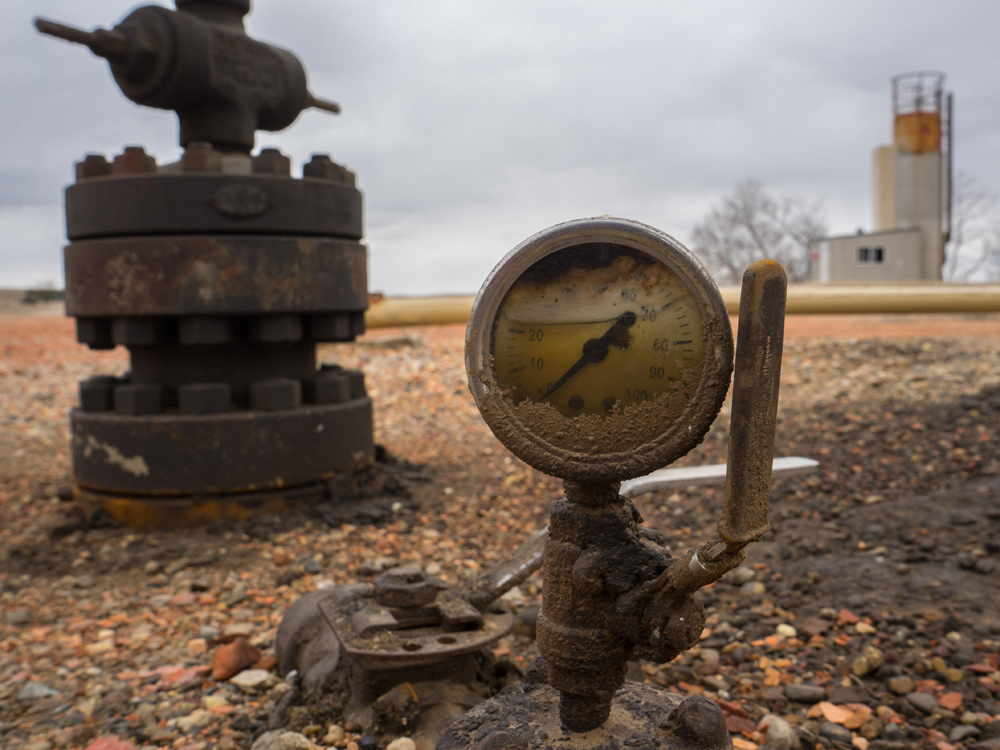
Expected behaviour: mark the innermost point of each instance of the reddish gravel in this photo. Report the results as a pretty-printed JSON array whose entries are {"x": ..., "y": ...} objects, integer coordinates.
[{"x": 882, "y": 568}]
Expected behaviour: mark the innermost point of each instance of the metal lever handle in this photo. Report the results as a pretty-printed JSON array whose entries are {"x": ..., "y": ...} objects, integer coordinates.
[
  {"x": 324, "y": 105},
  {"x": 509, "y": 572},
  {"x": 102, "y": 42},
  {"x": 756, "y": 381},
  {"x": 755, "y": 403}
]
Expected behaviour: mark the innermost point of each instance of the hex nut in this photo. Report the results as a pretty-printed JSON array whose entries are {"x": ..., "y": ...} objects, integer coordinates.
[
  {"x": 357, "y": 323},
  {"x": 328, "y": 387},
  {"x": 357, "y": 379},
  {"x": 204, "y": 329},
  {"x": 321, "y": 166},
  {"x": 97, "y": 393},
  {"x": 95, "y": 332},
  {"x": 134, "y": 400},
  {"x": 414, "y": 589},
  {"x": 331, "y": 327},
  {"x": 271, "y": 161},
  {"x": 93, "y": 165},
  {"x": 272, "y": 395},
  {"x": 135, "y": 331},
  {"x": 203, "y": 398},
  {"x": 276, "y": 328},
  {"x": 201, "y": 157},
  {"x": 134, "y": 160}
]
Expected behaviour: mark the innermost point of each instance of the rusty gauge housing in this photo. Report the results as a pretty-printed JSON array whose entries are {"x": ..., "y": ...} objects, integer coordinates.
[{"x": 599, "y": 350}]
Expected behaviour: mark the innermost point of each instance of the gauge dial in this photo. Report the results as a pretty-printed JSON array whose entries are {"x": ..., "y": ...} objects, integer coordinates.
[
  {"x": 599, "y": 350},
  {"x": 594, "y": 328}
]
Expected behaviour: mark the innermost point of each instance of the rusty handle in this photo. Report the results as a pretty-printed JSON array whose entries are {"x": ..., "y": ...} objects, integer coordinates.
[
  {"x": 324, "y": 105},
  {"x": 755, "y": 403},
  {"x": 104, "y": 43}
]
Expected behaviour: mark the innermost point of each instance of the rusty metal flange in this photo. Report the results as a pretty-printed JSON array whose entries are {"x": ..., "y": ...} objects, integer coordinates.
[
  {"x": 133, "y": 511},
  {"x": 237, "y": 451},
  {"x": 380, "y": 636},
  {"x": 214, "y": 275},
  {"x": 144, "y": 204}
]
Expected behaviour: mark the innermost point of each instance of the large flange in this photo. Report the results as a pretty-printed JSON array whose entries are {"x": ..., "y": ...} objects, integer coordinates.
[
  {"x": 214, "y": 275},
  {"x": 142, "y": 204},
  {"x": 236, "y": 451}
]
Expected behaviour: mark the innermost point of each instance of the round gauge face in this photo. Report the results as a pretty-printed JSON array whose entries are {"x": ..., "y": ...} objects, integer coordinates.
[
  {"x": 599, "y": 350},
  {"x": 597, "y": 327}
]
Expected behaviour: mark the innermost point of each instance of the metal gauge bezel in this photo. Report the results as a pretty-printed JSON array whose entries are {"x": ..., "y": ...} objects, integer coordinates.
[{"x": 603, "y": 465}]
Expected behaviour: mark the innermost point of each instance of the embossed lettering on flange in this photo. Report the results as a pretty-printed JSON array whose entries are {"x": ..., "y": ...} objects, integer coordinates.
[{"x": 240, "y": 201}]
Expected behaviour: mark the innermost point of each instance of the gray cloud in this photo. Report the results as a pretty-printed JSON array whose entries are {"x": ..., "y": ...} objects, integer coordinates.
[{"x": 475, "y": 124}]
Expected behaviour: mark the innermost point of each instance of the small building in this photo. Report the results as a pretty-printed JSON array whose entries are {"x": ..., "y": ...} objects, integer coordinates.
[{"x": 911, "y": 195}]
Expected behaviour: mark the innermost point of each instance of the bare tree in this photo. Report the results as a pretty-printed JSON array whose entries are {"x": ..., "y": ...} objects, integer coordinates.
[
  {"x": 752, "y": 224},
  {"x": 973, "y": 252}
]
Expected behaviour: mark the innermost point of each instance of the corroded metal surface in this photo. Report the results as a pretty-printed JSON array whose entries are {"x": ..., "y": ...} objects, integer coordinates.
[
  {"x": 236, "y": 451},
  {"x": 755, "y": 403},
  {"x": 511, "y": 571},
  {"x": 141, "y": 204},
  {"x": 379, "y": 635},
  {"x": 157, "y": 512},
  {"x": 406, "y": 653},
  {"x": 214, "y": 275},
  {"x": 609, "y": 592},
  {"x": 220, "y": 273},
  {"x": 612, "y": 590}
]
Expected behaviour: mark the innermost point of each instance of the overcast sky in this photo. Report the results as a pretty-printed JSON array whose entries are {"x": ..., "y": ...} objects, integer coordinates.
[{"x": 473, "y": 124}]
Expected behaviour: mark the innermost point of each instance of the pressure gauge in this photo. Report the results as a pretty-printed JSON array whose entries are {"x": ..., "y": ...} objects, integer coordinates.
[{"x": 599, "y": 350}]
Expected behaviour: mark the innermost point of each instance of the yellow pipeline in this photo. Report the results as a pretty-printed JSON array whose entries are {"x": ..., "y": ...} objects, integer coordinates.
[{"x": 803, "y": 299}]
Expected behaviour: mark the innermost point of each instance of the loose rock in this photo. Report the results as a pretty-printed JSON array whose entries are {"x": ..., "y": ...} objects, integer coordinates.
[
  {"x": 294, "y": 741},
  {"x": 253, "y": 680},
  {"x": 233, "y": 658},
  {"x": 901, "y": 685},
  {"x": 33, "y": 691},
  {"x": 805, "y": 693},
  {"x": 923, "y": 701},
  {"x": 780, "y": 736}
]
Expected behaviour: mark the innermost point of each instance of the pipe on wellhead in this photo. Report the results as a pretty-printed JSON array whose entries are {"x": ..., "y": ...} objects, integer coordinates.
[{"x": 803, "y": 299}]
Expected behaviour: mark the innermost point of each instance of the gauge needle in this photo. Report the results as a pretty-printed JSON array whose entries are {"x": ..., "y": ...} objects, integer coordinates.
[{"x": 595, "y": 350}]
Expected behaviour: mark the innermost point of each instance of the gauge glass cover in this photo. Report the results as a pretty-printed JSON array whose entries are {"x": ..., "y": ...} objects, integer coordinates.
[{"x": 602, "y": 350}]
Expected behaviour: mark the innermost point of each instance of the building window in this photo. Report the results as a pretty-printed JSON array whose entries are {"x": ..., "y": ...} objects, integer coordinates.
[{"x": 871, "y": 255}]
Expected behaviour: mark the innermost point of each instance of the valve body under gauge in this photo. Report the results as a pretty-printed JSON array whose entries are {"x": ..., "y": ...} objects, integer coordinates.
[{"x": 598, "y": 351}]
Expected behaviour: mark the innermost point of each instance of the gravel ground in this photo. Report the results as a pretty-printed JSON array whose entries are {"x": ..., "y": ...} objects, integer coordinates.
[{"x": 867, "y": 618}]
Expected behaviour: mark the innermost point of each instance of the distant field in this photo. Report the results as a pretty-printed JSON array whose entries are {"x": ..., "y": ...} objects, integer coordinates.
[{"x": 12, "y": 303}]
